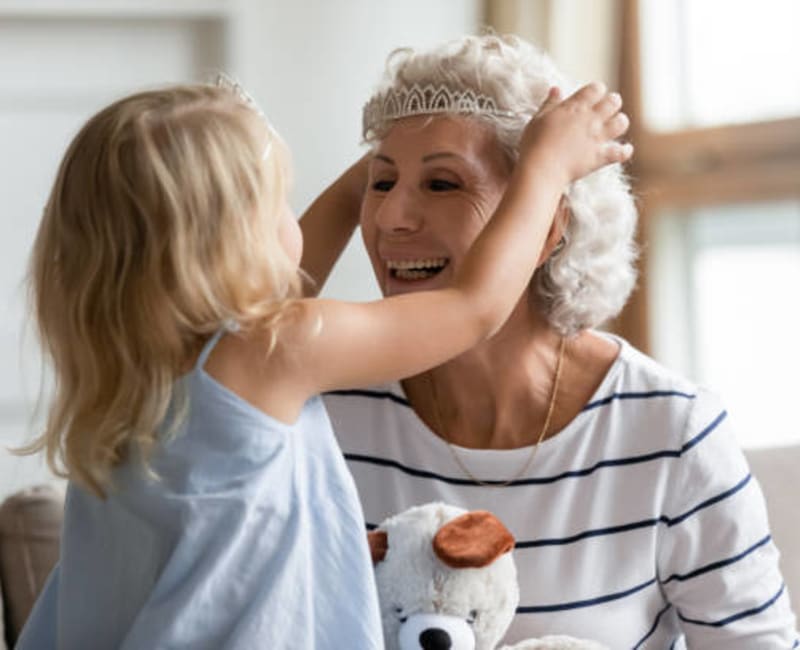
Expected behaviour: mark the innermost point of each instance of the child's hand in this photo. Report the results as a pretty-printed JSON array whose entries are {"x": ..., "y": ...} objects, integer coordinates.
[{"x": 576, "y": 136}]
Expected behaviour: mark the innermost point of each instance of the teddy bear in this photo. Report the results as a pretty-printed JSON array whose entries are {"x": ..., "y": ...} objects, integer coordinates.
[{"x": 447, "y": 581}]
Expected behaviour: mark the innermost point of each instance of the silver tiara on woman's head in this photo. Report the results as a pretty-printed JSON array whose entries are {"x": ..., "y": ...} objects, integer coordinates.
[{"x": 400, "y": 102}]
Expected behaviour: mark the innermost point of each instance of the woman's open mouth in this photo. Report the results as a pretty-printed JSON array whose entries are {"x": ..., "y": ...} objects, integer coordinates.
[{"x": 416, "y": 269}]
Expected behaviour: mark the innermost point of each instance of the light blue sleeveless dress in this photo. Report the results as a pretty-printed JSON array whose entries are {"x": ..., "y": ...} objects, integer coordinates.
[{"x": 252, "y": 538}]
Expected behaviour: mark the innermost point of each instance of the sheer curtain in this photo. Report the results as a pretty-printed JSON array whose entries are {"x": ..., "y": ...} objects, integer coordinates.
[{"x": 582, "y": 36}]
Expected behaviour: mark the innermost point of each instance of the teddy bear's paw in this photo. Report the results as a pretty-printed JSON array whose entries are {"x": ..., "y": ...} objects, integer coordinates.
[{"x": 556, "y": 643}]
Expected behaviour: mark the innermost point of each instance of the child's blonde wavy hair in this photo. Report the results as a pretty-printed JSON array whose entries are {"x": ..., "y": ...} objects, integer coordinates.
[{"x": 161, "y": 227}]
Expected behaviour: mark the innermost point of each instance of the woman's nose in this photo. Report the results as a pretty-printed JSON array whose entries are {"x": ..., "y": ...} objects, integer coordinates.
[{"x": 399, "y": 212}]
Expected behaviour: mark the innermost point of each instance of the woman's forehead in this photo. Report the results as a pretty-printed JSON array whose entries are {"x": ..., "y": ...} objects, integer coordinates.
[{"x": 423, "y": 136}]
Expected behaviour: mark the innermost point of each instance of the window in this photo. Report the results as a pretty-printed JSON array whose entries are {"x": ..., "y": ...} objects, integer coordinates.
[
  {"x": 711, "y": 62},
  {"x": 725, "y": 306},
  {"x": 715, "y": 104}
]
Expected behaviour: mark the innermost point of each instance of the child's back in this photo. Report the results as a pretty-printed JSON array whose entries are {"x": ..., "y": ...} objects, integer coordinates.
[{"x": 251, "y": 516}]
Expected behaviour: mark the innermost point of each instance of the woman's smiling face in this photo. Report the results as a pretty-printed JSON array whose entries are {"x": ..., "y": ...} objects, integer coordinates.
[{"x": 433, "y": 184}]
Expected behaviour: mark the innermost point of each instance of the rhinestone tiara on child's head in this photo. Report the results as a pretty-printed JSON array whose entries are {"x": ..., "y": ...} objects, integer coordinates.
[
  {"x": 222, "y": 80},
  {"x": 404, "y": 101}
]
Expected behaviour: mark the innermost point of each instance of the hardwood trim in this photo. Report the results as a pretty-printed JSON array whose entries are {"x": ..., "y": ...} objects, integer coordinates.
[
  {"x": 630, "y": 70},
  {"x": 632, "y": 323},
  {"x": 693, "y": 150},
  {"x": 761, "y": 181}
]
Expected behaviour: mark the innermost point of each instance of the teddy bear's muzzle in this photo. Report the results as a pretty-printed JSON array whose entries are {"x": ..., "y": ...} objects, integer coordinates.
[{"x": 436, "y": 632}]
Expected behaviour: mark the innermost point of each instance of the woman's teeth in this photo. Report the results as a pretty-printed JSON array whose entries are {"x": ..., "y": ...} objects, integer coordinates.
[{"x": 416, "y": 269}]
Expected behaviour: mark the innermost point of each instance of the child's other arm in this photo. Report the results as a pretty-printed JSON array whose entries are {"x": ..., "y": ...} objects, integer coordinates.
[
  {"x": 329, "y": 222},
  {"x": 358, "y": 344}
]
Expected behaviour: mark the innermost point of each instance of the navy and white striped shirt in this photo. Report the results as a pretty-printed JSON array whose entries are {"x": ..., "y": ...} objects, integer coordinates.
[{"x": 638, "y": 525}]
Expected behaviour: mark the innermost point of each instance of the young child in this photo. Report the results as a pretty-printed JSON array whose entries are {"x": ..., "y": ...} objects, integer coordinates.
[{"x": 209, "y": 505}]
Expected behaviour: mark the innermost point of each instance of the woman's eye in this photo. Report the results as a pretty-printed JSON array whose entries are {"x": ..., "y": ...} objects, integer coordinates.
[
  {"x": 382, "y": 186},
  {"x": 441, "y": 185}
]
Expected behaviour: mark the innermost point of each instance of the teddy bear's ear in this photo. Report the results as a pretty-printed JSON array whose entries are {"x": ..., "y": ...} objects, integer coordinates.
[
  {"x": 378, "y": 545},
  {"x": 473, "y": 540}
]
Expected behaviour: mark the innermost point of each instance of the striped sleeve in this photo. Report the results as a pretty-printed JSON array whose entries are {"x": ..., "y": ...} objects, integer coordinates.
[{"x": 717, "y": 564}]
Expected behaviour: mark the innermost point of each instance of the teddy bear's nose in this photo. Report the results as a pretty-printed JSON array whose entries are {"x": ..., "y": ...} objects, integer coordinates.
[{"x": 435, "y": 638}]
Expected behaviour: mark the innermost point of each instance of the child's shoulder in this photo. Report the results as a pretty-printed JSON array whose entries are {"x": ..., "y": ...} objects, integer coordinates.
[
  {"x": 278, "y": 337},
  {"x": 264, "y": 363}
]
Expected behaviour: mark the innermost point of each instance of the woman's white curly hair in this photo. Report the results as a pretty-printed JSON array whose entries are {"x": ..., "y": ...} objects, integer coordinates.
[{"x": 588, "y": 279}]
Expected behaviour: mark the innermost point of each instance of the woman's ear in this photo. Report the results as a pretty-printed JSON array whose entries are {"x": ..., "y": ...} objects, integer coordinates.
[{"x": 556, "y": 234}]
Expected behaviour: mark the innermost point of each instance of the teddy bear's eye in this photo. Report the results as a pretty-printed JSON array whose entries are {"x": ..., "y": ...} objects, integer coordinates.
[
  {"x": 398, "y": 611},
  {"x": 473, "y": 614}
]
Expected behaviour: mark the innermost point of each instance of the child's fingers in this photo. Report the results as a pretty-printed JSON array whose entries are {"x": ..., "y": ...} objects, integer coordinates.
[
  {"x": 608, "y": 105},
  {"x": 617, "y": 125},
  {"x": 590, "y": 93},
  {"x": 553, "y": 97},
  {"x": 617, "y": 152}
]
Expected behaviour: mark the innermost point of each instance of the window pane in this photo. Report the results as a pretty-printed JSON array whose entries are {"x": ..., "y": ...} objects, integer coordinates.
[
  {"x": 726, "y": 310},
  {"x": 713, "y": 62}
]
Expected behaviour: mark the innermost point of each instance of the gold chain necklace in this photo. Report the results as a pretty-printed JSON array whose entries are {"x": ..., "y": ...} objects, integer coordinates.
[{"x": 550, "y": 408}]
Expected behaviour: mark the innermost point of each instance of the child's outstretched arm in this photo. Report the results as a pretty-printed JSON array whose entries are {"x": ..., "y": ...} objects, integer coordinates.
[
  {"x": 348, "y": 345},
  {"x": 329, "y": 222}
]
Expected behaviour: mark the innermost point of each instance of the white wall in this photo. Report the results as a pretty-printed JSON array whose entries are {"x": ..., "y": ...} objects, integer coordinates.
[
  {"x": 57, "y": 67},
  {"x": 310, "y": 63},
  {"x": 313, "y": 63}
]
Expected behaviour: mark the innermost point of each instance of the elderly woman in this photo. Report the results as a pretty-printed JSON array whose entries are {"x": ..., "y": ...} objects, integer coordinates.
[{"x": 637, "y": 521}]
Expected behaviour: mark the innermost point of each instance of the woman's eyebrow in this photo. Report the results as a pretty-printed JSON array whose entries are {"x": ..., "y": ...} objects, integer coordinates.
[
  {"x": 441, "y": 154},
  {"x": 386, "y": 159},
  {"x": 426, "y": 158}
]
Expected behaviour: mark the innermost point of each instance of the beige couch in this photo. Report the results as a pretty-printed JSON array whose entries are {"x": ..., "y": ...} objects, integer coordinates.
[
  {"x": 30, "y": 522},
  {"x": 778, "y": 471}
]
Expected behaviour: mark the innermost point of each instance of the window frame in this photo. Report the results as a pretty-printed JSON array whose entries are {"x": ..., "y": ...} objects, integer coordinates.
[{"x": 696, "y": 167}]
